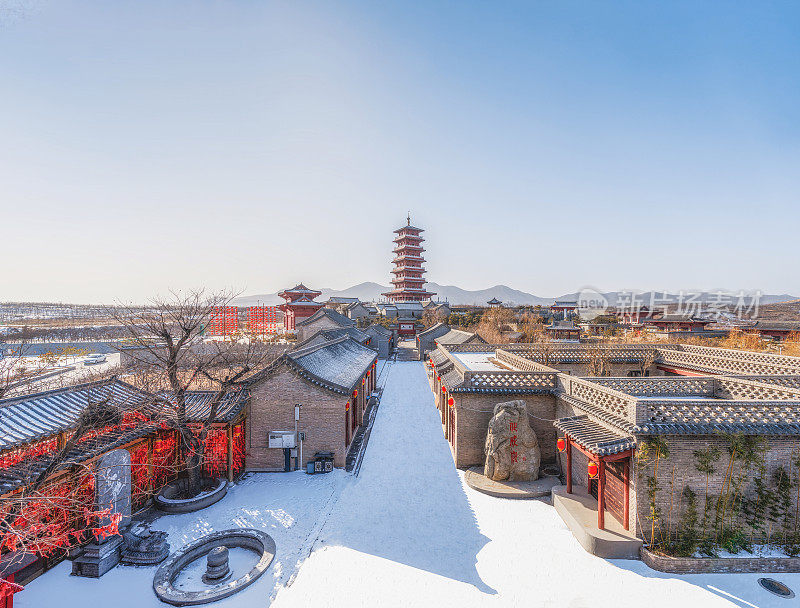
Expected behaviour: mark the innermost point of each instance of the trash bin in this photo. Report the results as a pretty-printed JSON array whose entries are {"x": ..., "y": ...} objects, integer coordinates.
[{"x": 310, "y": 467}]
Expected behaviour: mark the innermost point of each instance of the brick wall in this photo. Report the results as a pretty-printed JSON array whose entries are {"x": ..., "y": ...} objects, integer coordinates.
[
  {"x": 271, "y": 408},
  {"x": 682, "y": 463},
  {"x": 473, "y": 412}
]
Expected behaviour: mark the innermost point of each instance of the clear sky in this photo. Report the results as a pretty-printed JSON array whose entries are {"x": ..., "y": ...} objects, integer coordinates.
[{"x": 543, "y": 145}]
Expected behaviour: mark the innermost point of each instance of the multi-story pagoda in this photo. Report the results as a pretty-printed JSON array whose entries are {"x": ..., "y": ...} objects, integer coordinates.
[
  {"x": 408, "y": 281},
  {"x": 299, "y": 305}
]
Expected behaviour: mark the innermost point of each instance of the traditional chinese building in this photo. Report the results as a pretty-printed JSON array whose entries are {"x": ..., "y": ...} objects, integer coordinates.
[
  {"x": 34, "y": 428},
  {"x": 678, "y": 322},
  {"x": 299, "y": 305},
  {"x": 715, "y": 400},
  {"x": 408, "y": 281}
]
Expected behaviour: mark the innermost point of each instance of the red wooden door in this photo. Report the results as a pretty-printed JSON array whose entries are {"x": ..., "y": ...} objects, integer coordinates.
[{"x": 614, "y": 489}]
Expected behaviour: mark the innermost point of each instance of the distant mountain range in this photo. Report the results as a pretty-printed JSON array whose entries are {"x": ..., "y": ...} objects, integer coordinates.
[{"x": 371, "y": 292}]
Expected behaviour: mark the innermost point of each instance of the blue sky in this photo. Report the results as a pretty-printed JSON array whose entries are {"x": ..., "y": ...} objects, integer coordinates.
[{"x": 543, "y": 145}]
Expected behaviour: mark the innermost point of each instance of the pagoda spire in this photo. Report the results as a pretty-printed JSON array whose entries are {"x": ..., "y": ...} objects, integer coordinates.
[{"x": 409, "y": 279}]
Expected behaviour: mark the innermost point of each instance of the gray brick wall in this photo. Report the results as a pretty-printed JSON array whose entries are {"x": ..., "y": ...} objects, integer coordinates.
[{"x": 271, "y": 408}]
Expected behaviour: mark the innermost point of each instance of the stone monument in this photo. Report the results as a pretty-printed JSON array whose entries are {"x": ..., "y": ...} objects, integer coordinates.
[
  {"x": 512, "y": 450},
  {"x": 112, "y": 491}
]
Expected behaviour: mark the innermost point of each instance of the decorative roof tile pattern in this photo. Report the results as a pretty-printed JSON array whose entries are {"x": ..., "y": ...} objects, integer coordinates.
[
  {"x": 457, "y": 336},
  {"x": 32, "y": 417},
  {"x": 594, "y": 437},
  {"x": 334, "y": 316},
  {"x": 721, "y": 416},
  {"x": 337, "y": 365},
  {"x": 198, "y": 405}
]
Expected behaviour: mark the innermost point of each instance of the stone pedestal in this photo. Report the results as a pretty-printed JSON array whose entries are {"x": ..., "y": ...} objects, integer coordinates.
[
  {"x": 112, "y": 491},
  {"x": 97, "y": 558}
]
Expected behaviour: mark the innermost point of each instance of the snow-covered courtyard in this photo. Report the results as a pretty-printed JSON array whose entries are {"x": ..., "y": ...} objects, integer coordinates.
[{"x": 406, "y": 532}]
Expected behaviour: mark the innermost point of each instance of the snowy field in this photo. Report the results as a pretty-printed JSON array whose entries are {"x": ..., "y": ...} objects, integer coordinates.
[{"x": 408, "y": 532}]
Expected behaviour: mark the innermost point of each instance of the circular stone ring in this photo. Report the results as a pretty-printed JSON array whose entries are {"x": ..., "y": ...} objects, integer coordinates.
[{"x": 245, "y": 538}]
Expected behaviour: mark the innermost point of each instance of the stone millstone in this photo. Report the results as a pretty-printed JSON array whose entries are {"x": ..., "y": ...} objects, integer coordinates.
[
  {"x": 512, "y": 450},
  {"x": 217, "y": 567}
]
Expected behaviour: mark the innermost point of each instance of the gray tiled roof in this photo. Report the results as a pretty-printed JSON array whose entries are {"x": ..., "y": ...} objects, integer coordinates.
[
  {"x": 32, "y": 417},
  {"x": 379, "y": 330},
  {"x": 334, "y": 316},
  {"x": 338, "y": 364},
  {"x": 695, "y": 417},
  {"x": 594, "y": 437},
  {"x": 457, "y": 336},
  {"x": 198, "y": 404},
  {"x": 439, "y": 329}
]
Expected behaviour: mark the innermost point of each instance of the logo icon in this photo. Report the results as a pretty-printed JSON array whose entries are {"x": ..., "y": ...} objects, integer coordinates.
[{"x": 591, "y": 303}]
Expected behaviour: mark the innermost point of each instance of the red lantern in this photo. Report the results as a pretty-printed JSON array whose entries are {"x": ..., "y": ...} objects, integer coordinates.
[
  {"x": 561, "y": 444},
  {"x": 444, "y": 390},
  {"x": 450, "y": 402},
  {"x": 363, "y": 380},
  {"x": 593, "y": 470},
  {"x": 438, "y": 378},
  {"x": 347, "y": 407},
  {"x": 355, "y": 393}
]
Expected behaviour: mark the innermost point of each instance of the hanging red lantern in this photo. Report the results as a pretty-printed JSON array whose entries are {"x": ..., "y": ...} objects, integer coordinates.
[
  {"x": 444, "y": 390},
  {"x": 450, "y": 402},
  {"x": 593, "y": 470},
  {"x": 561, "y": 444},
  {"x": 363, "y": 380},
  {"x": 347, "y": 407},
  {"x": 355, "y": 393},
  {"x": 438, "y": 378}
]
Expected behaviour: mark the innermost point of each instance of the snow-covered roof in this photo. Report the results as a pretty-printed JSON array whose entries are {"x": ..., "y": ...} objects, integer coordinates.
[
  {"x": 457, "y": 336},
  {"x": 379, "y": 330},
  {"x": 338, "y": 365},
  {"x": 32, "y": 417},
  {"x": 333, "y": 334},
  {"x": 439, "y": 329}
]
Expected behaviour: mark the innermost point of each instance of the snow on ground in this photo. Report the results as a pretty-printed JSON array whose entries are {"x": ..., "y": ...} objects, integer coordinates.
[
  {"x": 407, "y": 532},
  {"x": 288, "y": 506}
]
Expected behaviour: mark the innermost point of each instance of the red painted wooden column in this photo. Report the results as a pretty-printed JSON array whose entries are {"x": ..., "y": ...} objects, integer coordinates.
[
  {"x": 569, "y": 464},
  {"x": 626, "y": 475},
  {"x": 601, "y": 499}
]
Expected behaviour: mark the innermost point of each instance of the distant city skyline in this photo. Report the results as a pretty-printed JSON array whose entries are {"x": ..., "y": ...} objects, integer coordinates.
[{"x": 148, "y": 146}]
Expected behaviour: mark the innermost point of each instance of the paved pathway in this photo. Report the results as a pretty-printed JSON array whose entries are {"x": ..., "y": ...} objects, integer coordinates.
[{"x": 409, "y": 532}]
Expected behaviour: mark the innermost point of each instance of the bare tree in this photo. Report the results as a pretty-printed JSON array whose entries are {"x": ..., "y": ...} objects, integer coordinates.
[
  {"x": 599, "y": 363},
  {"x": 171, "y": 356}
]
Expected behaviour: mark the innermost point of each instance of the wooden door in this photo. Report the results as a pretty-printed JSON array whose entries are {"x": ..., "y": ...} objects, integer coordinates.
[{"x": 614, "y": 489}]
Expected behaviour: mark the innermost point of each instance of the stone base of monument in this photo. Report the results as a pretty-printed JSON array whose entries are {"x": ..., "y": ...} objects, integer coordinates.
[
  {"x": 95, "y": 559},
  {"x": 539, "y": 488}
]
